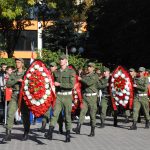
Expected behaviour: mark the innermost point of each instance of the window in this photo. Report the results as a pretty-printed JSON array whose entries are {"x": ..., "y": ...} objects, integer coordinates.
[{"x": 25, "y": 39}]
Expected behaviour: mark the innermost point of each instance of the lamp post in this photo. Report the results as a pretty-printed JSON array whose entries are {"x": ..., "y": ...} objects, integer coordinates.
[
  {"x": 40, "y": 12},
  {"x": 39, "y": 38}
]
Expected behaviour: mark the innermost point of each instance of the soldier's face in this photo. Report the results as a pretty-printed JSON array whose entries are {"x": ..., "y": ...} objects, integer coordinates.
[
  {"x": 63, "y": 62},
  {"x": 131, "y": 73},
  {"x": 90, "y": 69},
  {"x": 106, "y": 73},
  {"x": 53, "y": 68},
  {"x": 141, "y": 73},
  {"x": 9, "y": 71},
  {"x": 4, "y": 68},
  {"x": 19, "y": 64}
]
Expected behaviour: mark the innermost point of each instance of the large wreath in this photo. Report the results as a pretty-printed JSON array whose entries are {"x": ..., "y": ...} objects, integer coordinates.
[
  {"x": 121, "y": 88},
  {"x": 38, "y": 88}
]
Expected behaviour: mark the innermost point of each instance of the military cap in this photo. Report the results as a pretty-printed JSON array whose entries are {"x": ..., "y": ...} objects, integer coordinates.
[
  {"x": 106, "y": 69},
  {"x": 131, "y": 70},
  {"x": 63, "y": 56},
  {"x": 142, "y": 69},
  {"x": 53, "y": 64},
  {"x": 20, "y": 59},
  {"x": 91, "y": 64}
]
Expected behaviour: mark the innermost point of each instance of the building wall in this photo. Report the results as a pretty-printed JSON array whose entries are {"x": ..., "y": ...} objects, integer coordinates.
[
  {"x": 19, "y": 54},
  {"x": 32, "y": 34}
]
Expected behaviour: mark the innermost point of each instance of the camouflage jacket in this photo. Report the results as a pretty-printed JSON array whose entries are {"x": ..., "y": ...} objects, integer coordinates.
[
  {"x": 13, "y": 80},
  {"x": 142, "y": 85},
  {"x": 89, "y": 83},
  {"x": 103, "y": 85},
  {"x": 66, "y": 78}
]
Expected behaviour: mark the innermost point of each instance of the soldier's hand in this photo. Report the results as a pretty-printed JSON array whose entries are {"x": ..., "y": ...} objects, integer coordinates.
[
  {"x": 76, "y": 101},
  {"x": 81, "y": 105},
  {"x": 79, "y": 78},
  {"x": 134, "y": 85},
  {"x": 100, "y": 77},
  {"x": 57, "y": 84},
  {"x": 20, "y": 80}
]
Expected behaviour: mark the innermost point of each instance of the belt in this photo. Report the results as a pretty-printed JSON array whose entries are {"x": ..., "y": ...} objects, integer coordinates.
[
  {"x": 64, "y": 93},
  {"x": 141, "y": 94},
  {"x": 103, "y": 95},
  {"x": 90, "y": 94}
]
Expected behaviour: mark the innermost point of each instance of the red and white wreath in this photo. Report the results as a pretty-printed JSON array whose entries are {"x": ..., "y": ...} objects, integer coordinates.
[
  {"x": 38, "y": 88},
  {"x": 121, "y": 87}
]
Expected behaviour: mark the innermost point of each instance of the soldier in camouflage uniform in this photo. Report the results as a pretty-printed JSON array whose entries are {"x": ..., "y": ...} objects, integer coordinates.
[
  {"x": 132, "y": 73},
  {"x": 64, "y": 82},
  {"x": 14, "y": 82},
  {"x": 140, "y": 98},
  {"x": 106, "y": 101},
  {"x": 89, "y": 89},
  {"x": 46, "y": 116}
]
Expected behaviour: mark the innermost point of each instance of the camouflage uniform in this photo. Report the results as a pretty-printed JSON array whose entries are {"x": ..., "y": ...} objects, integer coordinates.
[
  {"x": 64, "y": 96},
  {"x": 90, "y": 90},
  {"x": 105, "y": 102},
  {"x": 141, "y": 99},
  {"x": 66, "y": 79},
  {"x": 13, "y": 105}
]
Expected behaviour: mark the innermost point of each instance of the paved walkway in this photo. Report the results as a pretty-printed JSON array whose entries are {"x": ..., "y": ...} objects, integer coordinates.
[{"x": 109, "y": 138}]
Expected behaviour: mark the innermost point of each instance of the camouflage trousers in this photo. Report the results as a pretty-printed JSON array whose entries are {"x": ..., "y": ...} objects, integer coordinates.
[
  {"x": 89, "y": 103},
  {"x": 62, "y": 102},
  {"x": 12, "y": 108},
  {"x": 138, "y": 103}
]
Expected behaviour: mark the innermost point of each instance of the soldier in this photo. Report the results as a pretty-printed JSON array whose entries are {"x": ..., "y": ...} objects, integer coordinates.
[
  {"x": 104, "y": 86},
  {"x": 46, "y": 116},
  {"x": 14, "y": 82},
  {"x": 89, "y": 83},
  {"x": 140, "y": 98},
  {"x": 64, "y": 82},
  {"x": 132, "y": 73}
]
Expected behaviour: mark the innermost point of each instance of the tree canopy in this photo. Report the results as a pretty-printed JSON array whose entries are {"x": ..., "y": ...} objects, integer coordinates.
[
  {"x": 119, "y": 31},
  {"x": 10, "y": 11}
]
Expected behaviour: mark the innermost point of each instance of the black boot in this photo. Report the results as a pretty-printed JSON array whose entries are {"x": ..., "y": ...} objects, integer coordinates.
[
  {"x": 133, "y": 127},
  {"x": 61, "y": 128},
  {"x": 92, "y": 132},
  {"x": 147, "y": 124},
  {"x": 49, "y": 134},
  {"x": 7, "y": 136},
  {"x": 126, "y": 120},
  {"x": 77, "y": 129},
  {"x": 67, "y": 136},
  {"x": 25, "y": 136},
  {"x": 139, "y": 119},
  {"x": 42, "y": 129},
  {"x": 102, "y": 123},
  {"x": 115, "y": 119}
]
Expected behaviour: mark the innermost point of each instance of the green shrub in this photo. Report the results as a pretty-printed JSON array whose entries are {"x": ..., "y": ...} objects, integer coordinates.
[{"x": 7, "y": 61}]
